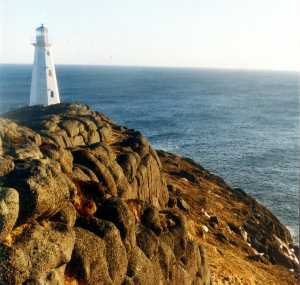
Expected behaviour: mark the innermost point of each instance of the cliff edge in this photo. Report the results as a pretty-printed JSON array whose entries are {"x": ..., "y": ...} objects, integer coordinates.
[{"x": 86, "y": 201}]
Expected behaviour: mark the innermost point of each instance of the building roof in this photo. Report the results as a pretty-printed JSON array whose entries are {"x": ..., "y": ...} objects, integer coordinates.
[{"x": 42, "y": 28}]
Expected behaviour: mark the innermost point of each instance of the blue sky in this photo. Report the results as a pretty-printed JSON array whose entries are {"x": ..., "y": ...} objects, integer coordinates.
[{"x": 247, "y": 34}]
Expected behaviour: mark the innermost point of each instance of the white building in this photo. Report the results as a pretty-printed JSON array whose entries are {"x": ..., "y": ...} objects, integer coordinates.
[{"x": 44, "y": 89}]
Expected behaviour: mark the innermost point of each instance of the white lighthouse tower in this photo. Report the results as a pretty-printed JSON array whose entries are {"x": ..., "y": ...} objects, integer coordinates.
[{"x": 44, "y": 89}]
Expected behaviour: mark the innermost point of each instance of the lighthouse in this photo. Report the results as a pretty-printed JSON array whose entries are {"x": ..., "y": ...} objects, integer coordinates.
[{"x": 44, "y": 89}]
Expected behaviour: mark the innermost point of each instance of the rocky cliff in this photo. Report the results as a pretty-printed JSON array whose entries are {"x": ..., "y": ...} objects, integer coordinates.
[{"x": 85, "y": 201}]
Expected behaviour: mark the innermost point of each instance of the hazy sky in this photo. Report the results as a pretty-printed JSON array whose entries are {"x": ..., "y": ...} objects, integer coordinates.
[{"x": 255, "y": 34}]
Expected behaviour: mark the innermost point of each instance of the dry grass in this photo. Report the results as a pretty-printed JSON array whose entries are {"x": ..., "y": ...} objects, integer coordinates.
[{"x": 228, "y": 260}]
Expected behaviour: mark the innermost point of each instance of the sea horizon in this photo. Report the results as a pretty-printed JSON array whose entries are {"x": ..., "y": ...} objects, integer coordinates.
[{"x": 170, "y": 67}]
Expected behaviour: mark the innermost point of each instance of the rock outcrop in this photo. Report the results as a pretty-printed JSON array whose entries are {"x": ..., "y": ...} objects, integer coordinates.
[{"x": 85, "y": 201}]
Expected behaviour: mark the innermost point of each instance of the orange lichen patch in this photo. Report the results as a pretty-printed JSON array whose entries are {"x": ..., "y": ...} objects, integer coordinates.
[
  {"x": 86, "y": 207},
  {"x": 77, "y": 202},
  {"x": 70, "y": 280},
  {"x": 16, "y": 232},
  {"x": 46, "y": 224},
  {"x": 83, "y": 202},
  {"x": 89, "y": 208},
  {"x": 136, "y": 208},
  {"x": 8, "y": 241}
]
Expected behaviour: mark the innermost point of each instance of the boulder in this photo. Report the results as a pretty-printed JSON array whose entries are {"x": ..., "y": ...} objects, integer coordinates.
[
  {"x": 147, "y": 241},
  {"x": 151, "y": 219},
  {"x": 42, "y": 187},
  {"x": 9, "y": 210},
  {"x": 141, "y": 270},
  {"x": 115, "y": 254},
  {"x": 67, "y": 215},
  {"x": 182, "y": 204},
  {"x": 37, "y": 251},
  {"x": 6, "y": 165},
  {"x": 88, "y": 261},
  {"x": 118, "y": 212}
]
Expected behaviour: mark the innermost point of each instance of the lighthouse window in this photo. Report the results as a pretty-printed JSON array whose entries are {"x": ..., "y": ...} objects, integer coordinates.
[
  {"x": 50, "y": 72},
  {"x": 51, "y": 94},
  {"x": 48, "y": 53}
]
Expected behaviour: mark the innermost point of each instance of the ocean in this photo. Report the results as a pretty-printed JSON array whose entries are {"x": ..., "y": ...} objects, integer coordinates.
[{"x": 241, "y": 125}]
